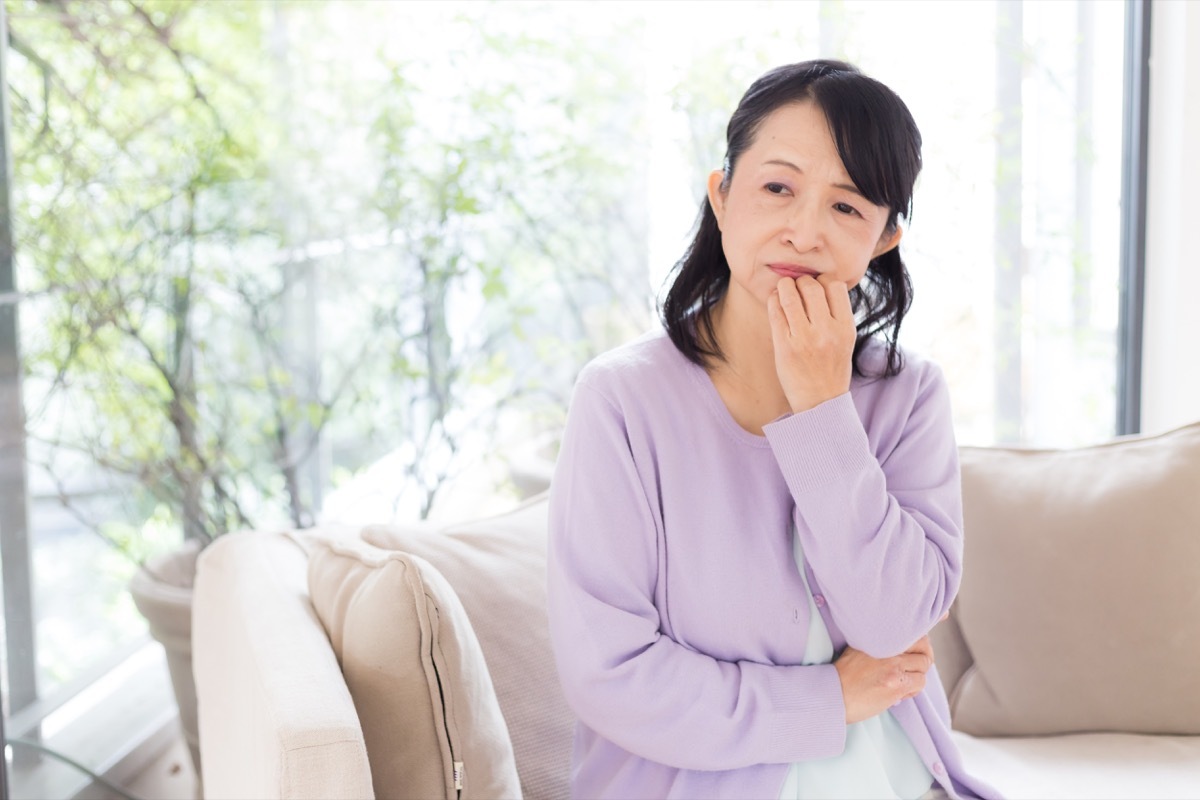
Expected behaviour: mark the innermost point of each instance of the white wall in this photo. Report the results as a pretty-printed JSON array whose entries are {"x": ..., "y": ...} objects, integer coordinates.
[{"x": 1171, "y": 349}]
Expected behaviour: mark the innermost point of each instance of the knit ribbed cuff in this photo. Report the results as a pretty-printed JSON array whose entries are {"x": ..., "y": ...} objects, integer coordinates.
[
  {"x": 821, "y": 445},
  {"x": 809, "y": 719}
]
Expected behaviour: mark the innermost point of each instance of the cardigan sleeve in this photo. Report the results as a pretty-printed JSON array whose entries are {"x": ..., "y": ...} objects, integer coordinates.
[
  {"x": 621, "y": 675},
  {"x": 882, "y": 531}
]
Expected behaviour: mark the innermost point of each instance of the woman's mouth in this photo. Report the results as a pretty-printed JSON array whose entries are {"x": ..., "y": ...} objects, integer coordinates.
[{"x": 792, "y": 271}]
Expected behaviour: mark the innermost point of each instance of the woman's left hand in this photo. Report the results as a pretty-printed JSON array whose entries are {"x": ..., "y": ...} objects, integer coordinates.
[{"x": 812, "y": 327}]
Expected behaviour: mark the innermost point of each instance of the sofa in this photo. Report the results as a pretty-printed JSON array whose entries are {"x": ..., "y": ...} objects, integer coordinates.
[{"x": 413, "y": 661}]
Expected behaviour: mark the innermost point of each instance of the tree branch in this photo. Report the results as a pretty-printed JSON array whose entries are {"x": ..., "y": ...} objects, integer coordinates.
[
  {"x": 163, "y": 35},
  {"x": 18, "y": 45}
]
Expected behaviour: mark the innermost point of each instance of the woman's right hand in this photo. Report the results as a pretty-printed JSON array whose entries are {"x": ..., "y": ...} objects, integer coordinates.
[{"x": 871, "y": 686}]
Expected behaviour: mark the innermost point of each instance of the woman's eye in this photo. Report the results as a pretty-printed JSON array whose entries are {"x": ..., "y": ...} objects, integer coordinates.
[
  {"x": 776, "y": 188},
  {"x": 845, "y": 208}
]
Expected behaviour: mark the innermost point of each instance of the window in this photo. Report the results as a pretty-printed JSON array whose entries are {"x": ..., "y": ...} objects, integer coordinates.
[
  {"x": 1014, "y": 244},
  {"x": 285, "y": 262}
]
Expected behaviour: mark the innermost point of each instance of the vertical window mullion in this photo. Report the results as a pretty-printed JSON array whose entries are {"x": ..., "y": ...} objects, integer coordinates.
[
  {"x": 1136, "y": 118},
  {"x": 15, "y": 551}
]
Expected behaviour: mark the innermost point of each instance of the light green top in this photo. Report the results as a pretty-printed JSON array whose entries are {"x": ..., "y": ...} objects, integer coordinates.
[{"x": 879, "y": 762}]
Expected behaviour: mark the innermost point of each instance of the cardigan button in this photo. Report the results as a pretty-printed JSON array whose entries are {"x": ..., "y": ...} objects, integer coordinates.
[
  {"x": 939, "y": 768},
  {"x": 819, "y": 599}
]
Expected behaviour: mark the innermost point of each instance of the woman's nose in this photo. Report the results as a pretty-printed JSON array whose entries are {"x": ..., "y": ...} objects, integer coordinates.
[{"x": 803, "y": 228}]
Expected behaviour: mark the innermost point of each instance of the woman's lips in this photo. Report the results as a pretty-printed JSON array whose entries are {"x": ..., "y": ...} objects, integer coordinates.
[{"x": 791, "y": 271}]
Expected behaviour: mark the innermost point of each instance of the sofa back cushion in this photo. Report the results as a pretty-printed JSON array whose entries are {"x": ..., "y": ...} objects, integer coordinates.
[
  {"x": 429, "y": 714},
  {"x": 497, "y": 567},
  {"x": 1080, "y": 599}
]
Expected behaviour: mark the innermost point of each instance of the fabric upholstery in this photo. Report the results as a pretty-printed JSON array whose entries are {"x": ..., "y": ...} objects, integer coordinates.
[
  {"x": 497, "y": 567},
  {"x": 415, "y": 672},
  {"x": 277, "y": 719},
  {"x": 1086, "y": 766},
  {"x": 1080, "y": 603},
  {"x": 275, "y": 716},
  {"x": 951, "y": 657}
]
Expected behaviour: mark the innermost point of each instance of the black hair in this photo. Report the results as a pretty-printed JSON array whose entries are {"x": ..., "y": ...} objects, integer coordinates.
[{"x": 879, "y": 145}]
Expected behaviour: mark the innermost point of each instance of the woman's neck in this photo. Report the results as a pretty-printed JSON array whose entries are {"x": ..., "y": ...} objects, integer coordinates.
[{"x": 746, "y": 379}]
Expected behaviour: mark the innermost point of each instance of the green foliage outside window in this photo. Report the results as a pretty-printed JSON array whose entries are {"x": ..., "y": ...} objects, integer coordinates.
[{"x": 262, "y": 245}]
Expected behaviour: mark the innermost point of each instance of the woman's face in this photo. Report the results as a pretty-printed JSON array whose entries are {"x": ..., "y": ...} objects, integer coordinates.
[{"x": 791, "y": 209}]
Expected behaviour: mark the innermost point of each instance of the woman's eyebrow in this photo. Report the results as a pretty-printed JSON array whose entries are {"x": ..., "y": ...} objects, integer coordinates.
[{"x": 849, "y": 187}]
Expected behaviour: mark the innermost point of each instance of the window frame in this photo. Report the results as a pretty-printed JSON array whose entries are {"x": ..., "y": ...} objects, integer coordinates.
[{"x": 1134, "y": 161}]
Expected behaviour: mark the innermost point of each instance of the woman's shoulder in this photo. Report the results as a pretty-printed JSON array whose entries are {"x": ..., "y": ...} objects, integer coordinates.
[
  {"x": 917, "y": 369},
  {"x": 919, "y": 385},
  {"x": 649, "y": 359},
  {"x": 888, "y": 406}
]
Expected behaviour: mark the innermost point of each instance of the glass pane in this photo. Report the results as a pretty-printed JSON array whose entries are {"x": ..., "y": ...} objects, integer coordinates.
[
  {"x": 1013, "y": 247},
  {"x": 289, "y": 261}
]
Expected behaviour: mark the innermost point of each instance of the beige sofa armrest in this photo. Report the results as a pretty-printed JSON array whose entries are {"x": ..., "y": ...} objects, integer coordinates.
[{"x": 276, "y": 719}]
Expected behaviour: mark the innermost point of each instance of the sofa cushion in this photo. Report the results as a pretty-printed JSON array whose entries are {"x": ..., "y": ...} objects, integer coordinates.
[
  {"x": 1096, "y": 766},
  {"x": 498, "y": 568},
  {"x": 1080, "y": 603},
  {"x": 415, "y": 671}
]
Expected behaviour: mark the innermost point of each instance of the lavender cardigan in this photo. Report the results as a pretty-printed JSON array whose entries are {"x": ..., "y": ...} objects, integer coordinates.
[{"x": 677, "y": 615}]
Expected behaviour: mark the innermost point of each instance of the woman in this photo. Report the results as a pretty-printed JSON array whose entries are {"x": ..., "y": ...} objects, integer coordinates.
[{"x": 756, "y": 518}]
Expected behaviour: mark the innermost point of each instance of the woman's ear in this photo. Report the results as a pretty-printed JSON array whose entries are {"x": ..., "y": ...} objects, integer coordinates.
[
  {"x": 716, "y": 195},
  {"x": 888, "y": 241}
]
